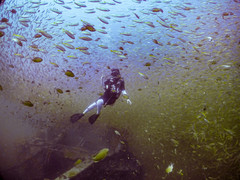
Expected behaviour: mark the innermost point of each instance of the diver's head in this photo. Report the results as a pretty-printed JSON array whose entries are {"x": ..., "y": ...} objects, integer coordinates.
[{"x": 115, "y": 73}]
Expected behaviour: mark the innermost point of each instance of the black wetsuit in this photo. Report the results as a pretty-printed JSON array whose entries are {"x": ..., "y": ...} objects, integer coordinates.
[{"x": 113, "y": 88}]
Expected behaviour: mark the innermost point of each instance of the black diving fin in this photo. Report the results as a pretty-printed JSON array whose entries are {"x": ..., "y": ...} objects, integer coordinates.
[
  {"x": 74, "y": 118},
  {"x": 93, "y": 118}
]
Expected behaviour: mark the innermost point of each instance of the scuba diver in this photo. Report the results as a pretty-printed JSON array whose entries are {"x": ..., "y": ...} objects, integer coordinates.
[{"x": 113, "y": 87}]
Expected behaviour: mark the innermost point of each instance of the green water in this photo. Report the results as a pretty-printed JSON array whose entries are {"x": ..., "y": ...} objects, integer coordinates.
[
  {"x": 190, "y": 119},
  {"x": 194, "y": 124}
]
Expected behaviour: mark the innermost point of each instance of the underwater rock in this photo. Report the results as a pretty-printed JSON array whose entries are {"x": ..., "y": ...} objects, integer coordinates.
[
  {"x": 45, "y": 164},
  {"x": 69, "y": 153},
  {"x": 121, "y": 165}
]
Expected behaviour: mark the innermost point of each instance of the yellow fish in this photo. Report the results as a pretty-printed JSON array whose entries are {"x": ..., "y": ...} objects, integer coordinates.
[
  {"x": 101, "y": 155},
  {"x": 19, "y": 55},
  {"x": 116, "y": 52},
  {"x": 169, "y": 168},
  {"x": 37, "y": 59},
  {"x": 17, "y": 41},
  {"x": 44, "y": 33},
  {"x": 78, "y": 162},
  {"x": 82, "y": 48},
  {"x": 21, "y": 38},
  {"x": 72, "y": 57},
  {"x": 85, "y": 38},
  {"x": 70, "y": 34},
  {"x": 59, "y": 90},
  {"x": 69, "y": 73},
  {"x": 143, "y": 75},
  {"x": 54, "y": 64},
  {"x": 151, "y": 55},
  {"x": 27, "y": 103}
]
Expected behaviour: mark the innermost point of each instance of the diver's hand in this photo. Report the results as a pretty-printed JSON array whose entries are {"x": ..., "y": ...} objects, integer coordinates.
[
  {"x": 102, "y": 80},
  {"x": 129, "y": 101}
]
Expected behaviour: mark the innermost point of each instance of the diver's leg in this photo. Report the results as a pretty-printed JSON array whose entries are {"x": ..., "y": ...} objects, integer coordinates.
[
  {"x": 90, "y": 107},
  {"x": 94, "y": 117},
  {"x": 74, "y": 118},
  {"x": 99, "y": 105}
]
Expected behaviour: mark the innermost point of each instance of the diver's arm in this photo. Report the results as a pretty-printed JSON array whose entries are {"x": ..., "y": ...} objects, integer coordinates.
[
  {"x": 102, "y": 80},
  {"x": 125, "y": 95}
]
